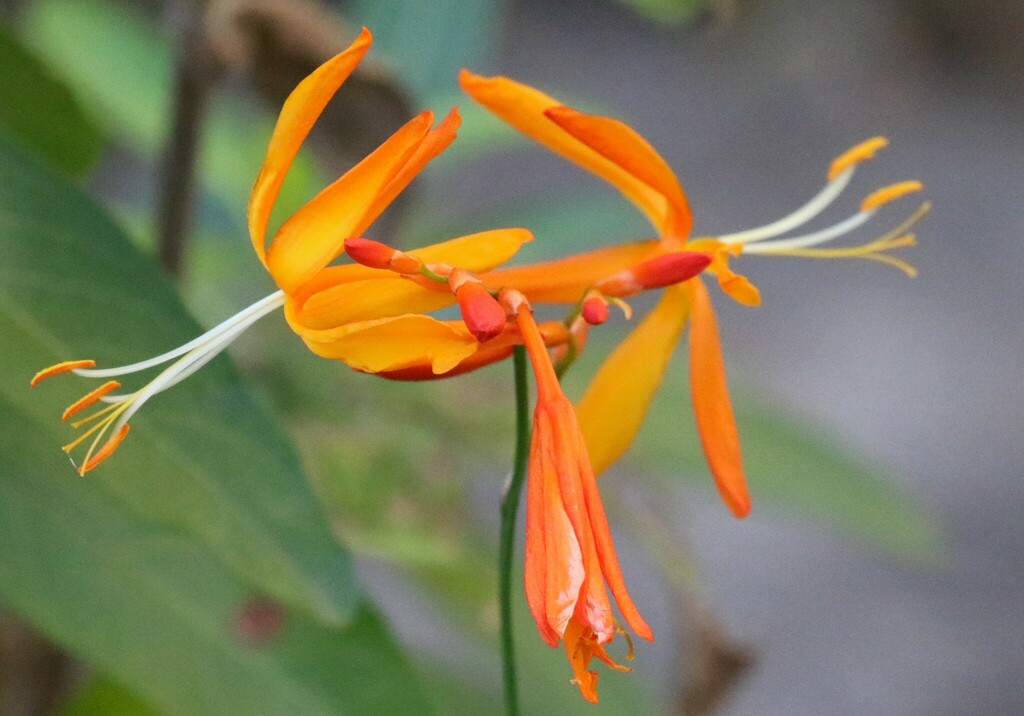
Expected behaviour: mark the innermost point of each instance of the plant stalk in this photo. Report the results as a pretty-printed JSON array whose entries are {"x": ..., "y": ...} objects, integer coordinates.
[{"x": 509, "y": 509}]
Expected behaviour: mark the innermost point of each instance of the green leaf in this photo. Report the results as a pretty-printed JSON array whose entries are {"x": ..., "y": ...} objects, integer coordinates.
[
  {"x": 102, "y": 697},
  {"x": 40, "y": 112},
  {"x": 121, "y": 68},
  {"x": 431, "y": 41},
  {"x": 156, "y": 609},
  {"x": 666, "y": 12},
  {"x": 202, "y": 458}
]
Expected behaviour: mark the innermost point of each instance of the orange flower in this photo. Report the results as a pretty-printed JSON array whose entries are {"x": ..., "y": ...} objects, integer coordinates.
[
  {"x": 614, "y": 405},
  {"x": 367, "y": 317},
  {"x": 570, "y": 557}
]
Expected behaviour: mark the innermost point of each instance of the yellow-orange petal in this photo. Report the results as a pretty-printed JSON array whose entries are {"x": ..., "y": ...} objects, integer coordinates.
[
  {"x": 300, "y": 111},
  {"x": 623, "y": 145},
  {"x": 368, "y": 299},
  {"x": 89, "y": 398},
  {"x": 435, "y": 142},
  {"x": 523, "y": 107},
  {"x": 64, "y": 367},
  {"x": 316, "y": 233},
  {"x": 712, "y": 407},
  {"x": 478, "y": 252},
  {"x": 394, "y": 343},
  {"x": 497, "y": 349},
  {"x": 613, "y": 408},
  {"x": 565, "y": 280}
]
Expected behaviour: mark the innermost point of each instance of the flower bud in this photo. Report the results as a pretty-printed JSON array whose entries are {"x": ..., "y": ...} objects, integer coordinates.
[
  {"x": 658, "y": 272},
  {"x": 594, "y": 309},
  {"x": 481, "y": 312},
  {"x": 374, "y": 254}
]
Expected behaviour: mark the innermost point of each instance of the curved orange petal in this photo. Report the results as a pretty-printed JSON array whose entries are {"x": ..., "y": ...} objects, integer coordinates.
[
  {"x": 622, "y": 145},
  {"x": 299, "y": 113},
  {"x": 316, "y": 233},
  {"x": 368, "y": 299},
  {"x": 436, "y": 141},
  {"x": 715, "y": 422},
  {"x": 394, "y": 343},
  {"x": 613, "y": 408},
  {"x": 565, "y": 280},
  {"x": 563, "y": 565},
  {"x": 523, "y": 107},
  {"x": 605, "y": 548},
  {"x": 478, "y": 252}
]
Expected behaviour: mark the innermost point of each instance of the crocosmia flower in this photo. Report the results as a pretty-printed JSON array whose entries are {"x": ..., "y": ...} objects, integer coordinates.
[
  {"x": 613, "y": 407},
  {"x": 367, "y": 317},
  {"x": 571, "y": 563}
]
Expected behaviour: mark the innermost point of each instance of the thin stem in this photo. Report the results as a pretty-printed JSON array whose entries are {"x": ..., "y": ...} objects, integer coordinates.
[
  {"x": 509, "y": 508},
  {"x": 197, "y": 74}
]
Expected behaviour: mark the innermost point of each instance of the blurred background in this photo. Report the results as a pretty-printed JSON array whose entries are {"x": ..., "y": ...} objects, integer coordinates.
[{"x": 880, "y": 571}]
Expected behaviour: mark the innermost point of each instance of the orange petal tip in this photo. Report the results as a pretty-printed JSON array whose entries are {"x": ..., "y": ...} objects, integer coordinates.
[{"x": 64, "y": 367}]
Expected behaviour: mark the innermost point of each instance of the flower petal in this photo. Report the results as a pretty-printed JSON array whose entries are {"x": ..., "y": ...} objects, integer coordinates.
[
  {"x": 299, "y": 113},
  {"x": 613, "y": 408},
  {"x": 369, "y": 299},
  {"x": 715, "y": 422},
  {"x": 565, "y": 280},
  {"x": 523, "y": 107},
  {"x": 562, "y": 567},
  {"x": 622, "y": 145},
  {"x": 478, "y": 252},
  {"x": 316, "y": 233},
  {"x": 394, "y": 343},
  {"x": 436, "y": 141}
]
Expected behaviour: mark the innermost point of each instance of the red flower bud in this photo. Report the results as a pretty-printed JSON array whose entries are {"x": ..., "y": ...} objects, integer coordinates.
[
  {"x": 595, "y": 309},
  {"x": 376, "y": 255},
  {"x": 669, "y": 269},
  {"x": 481, "y": 312}
]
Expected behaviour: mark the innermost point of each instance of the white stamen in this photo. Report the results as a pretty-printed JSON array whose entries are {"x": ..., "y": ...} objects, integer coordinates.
[
  {"x": 258, "y": 309},
  {"x": 799, "y": 217},
  {"x": 818, "y": 237}
]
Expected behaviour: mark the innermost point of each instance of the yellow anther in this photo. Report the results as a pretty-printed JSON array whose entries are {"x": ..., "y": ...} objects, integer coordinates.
[
  {"x": 861, "y": 153},
  {"x": 889, "y": 193}
]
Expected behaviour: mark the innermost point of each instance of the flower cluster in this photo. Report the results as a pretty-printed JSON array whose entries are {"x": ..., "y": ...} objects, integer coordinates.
[{"x": 374, "y": 314}]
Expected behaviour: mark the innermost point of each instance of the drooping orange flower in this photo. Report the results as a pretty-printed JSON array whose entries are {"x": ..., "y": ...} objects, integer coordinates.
[
  {"x": 614, "y": 405},
  {"x": 571, "y": 563},
  {"x": 367, "y": 317}
]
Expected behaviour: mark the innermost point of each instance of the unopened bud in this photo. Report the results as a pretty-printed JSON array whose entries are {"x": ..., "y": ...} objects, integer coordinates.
[
  {"x": 481, "y": 312},
  {"x": 374, "y": 254},
  {"x": 664, "y": 270},
  {"x": 595, "y": 309}
]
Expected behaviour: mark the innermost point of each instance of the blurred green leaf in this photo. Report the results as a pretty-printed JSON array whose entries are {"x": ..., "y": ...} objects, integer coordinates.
[
  {"x": 431, "y": 41},
  {"x": 121, "y": 67},
  {"x": 40, "y": 112},
  {"x": 202, "y": 458},
  {"x": 666, "y": 12},
  {"x": 102, "y": 697},
  {"x": 155, "y": 608}
]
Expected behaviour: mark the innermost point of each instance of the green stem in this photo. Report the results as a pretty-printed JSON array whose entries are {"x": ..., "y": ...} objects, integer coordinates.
[{"x": 506, "y": 548}]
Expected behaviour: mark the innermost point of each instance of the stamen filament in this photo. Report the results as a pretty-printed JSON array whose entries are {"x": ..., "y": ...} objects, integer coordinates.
[
  {"x": 813, "y": 239},
  {"x": 261, "y": 307},
  {"x": 799, "y": 217}
]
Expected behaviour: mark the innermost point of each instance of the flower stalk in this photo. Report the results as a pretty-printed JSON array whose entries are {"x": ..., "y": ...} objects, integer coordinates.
[{"x": 509, "y": 509}]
